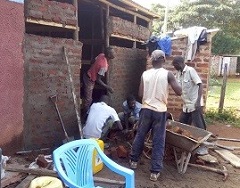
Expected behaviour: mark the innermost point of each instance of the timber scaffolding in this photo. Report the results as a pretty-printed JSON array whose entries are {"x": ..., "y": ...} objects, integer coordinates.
[
  {"x": 85, "y": 28},
  {"x": 93, "y": 22}
]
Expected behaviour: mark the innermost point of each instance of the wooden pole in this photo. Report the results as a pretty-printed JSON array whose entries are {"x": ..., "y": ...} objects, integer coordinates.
[
  {"x": 92, "y": 47},
  {"x": 76, "y": 32},
  {"x": 135, "y": 21},
  {"x": 223, "y": 89},
  {"x": 46, "y": 172},
  {"x": 107, "y": 44},
  {"x": 106, "y": 27},
  {"x": 102, "y": 25},
  {"x": 73, "y": 93}
]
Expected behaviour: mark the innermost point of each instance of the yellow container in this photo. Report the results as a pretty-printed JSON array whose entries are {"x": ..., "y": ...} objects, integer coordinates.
[{"x": 97, "y": 162}]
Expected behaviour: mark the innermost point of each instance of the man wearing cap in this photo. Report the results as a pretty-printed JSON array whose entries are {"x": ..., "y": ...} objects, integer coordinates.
[
  {"x": 191, "y": 93},
  {"x": 153, "y": 90}
]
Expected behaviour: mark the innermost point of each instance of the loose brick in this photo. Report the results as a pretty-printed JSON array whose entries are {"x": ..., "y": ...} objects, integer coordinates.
[{"x": 122, "y": 152}]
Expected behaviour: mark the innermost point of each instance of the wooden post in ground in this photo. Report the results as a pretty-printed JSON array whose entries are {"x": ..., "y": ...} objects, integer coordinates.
[
  {"x": 76, "y": 32},
  {"x": 223, "y": 89}
]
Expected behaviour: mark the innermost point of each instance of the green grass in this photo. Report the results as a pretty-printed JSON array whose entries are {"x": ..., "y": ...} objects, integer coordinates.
[{"x": 231, "y": 109}]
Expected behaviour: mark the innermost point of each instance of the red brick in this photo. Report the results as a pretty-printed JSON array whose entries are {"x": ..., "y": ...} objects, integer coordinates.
[
  {"x": 114, "y": 153},
  {"x": 176, "y": 53},
  {"x": 122, "y": 152}
]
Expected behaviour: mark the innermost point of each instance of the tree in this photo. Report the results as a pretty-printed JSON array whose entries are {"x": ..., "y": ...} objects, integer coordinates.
[{"x": 222, "y": 14}]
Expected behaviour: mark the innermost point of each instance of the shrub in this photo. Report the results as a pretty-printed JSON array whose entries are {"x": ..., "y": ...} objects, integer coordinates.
[{"x": 229, "y": 115}]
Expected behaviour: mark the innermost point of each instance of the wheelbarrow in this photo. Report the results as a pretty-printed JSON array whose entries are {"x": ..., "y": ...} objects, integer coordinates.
[{"x": 186, "y": 145}]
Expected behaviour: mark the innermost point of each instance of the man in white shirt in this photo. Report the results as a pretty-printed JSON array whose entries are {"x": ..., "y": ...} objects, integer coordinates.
[
  {"x": 101, "y": 119},
  {"x": 191, "y": 93}
]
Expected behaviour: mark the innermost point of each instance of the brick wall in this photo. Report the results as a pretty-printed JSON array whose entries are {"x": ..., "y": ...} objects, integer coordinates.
[
  {"x": 11, "y": 76},
  {"x": 46, "y": 75},
  {"x": 125, "y": 72},
  {"x": 53, "y": 11},
  {"x": 126, "y": 28},
  {"x": 201, "y": 63}
]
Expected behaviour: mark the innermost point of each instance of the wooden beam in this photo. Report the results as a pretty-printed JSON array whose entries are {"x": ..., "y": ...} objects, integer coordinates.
[
  {"x": 106, "y": 28},
  {"x": 103, "y": 28},
  {"x": 12, "y": 177},
  {"x": 38, "y": 172},
  {"x": 46, "y": 172},
  {"x": 125, "y": 37},
  {"x": 135, "y": 43},
  {"x": 26, "y": 182},
  {"x": 138, "y": 7},
  {"x": 125, "y": 10},
  {"x": 92, "y": 41},
  {"x": 76, "y": 32},
  {"x": 54, "y": 24}
]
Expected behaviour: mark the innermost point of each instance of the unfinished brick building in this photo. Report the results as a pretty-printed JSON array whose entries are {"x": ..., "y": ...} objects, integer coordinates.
[{"x": 85, "y": 28}]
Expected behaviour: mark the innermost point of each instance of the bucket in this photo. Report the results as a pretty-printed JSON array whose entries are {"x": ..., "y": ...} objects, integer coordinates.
[{"x": 97, "y": 162}]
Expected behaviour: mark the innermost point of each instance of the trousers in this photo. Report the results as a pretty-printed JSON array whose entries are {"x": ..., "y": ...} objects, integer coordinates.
[{"x": 155, "y": 121}]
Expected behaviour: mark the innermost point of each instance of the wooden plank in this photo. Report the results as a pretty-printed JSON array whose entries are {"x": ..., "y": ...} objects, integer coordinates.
[
  {"x": 46, "y": 172},
  {"x": 208, "y": 158},
  {"x": 125, "y": 10},
  {"x": 229, "y": 156},
  {"x": 76, "y": 32},
  {"x": 141, "y": 8},
  {"x": 39, "y": 172},
  {"x": 26, "y": 182},
  {"x": 126, "y": 37},
  {"x": 10, "y": 178},
  {"x": 54, "y": 24}
]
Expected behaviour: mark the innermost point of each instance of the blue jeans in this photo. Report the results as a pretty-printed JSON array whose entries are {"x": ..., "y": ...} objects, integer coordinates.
[{"x": 156, "y": 121}]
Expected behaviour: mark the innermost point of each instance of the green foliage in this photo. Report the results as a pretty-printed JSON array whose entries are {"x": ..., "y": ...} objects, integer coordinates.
[
  {"x": 225, "y": 44},
  {"x": 224, "y": 15},
  {"x": 226, "y": 116},
  {"x": 231, "y": 111}
]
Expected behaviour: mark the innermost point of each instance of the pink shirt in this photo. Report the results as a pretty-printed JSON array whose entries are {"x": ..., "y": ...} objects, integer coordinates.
[{"x": 100, "y": 66}]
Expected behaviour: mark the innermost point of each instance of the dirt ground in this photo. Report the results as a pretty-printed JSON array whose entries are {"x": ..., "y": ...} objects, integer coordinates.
[
  {"x": 193, "y": 178},
  {"x": 170, "y": 178}
]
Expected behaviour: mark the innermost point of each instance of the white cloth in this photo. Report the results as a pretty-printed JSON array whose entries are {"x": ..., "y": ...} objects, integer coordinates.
[
  {"x": 155, "y": 92},
  {"x": 188, "y": 80},
  {"x": 98, "y": 114},
  {"x": 193, "y": 34}
]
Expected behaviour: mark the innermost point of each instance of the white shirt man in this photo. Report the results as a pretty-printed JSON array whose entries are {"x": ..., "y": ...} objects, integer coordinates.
[{"x": 100, "y": 120}]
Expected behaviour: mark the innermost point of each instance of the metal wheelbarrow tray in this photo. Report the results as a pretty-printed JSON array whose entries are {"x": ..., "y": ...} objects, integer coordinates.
[{"x": 186, "y": 144}]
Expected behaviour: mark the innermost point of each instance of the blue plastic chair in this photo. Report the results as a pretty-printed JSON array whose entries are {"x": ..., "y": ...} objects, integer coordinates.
[{"x": 73, "y": 163}]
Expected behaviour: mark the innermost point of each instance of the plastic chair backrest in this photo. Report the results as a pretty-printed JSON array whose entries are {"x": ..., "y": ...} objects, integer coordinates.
[{"x": 73, "y": 162}]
